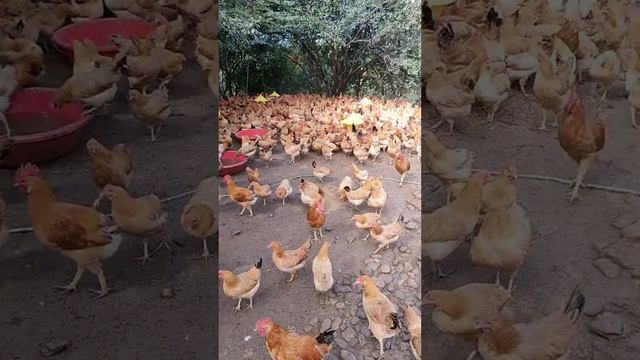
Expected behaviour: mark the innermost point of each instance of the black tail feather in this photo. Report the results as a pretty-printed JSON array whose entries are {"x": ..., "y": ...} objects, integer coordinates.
[
  {"x": 259, "y": 264},
  {"x": 575, "y": 305},
  {"x": 396, "y": 322},
  {"x": 326, "y": 337}
]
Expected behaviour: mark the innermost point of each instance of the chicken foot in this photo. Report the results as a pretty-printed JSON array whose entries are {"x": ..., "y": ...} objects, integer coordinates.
[
  {"x": 293, "y": 276},
  {"x": 96, "y": 203},
  {"x": 72, "y": 286},
  {"x": 583, "y": 167},
  {"x": 96, "y": 268},
  {"x": 472, "y": 355},
  {"x": 245, "y": 208},
  {"x": 153, "y": 134},
  {"x": 401, "y": 180},
  {"x": 145, "y": 256},
  {"x": 437, "y": 270},
  {"x": 205, "y": 251},
  {"x": 237, "y": 308},
  {"x": 512, "y": 277},
  {"x": 315, "y": 237},
  {"x": 632, "y": 110},
  {"x": 380, "y": 247},
  {"x": 366, "y": 237},
  {"x": 381, "y": 349}
]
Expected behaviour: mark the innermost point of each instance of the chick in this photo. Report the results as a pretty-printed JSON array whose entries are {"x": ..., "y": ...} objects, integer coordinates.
[{"x": 152, "y": 109}]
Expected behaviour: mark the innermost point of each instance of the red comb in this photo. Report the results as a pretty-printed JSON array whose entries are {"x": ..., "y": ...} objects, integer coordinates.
[{"x": 27, "y": 170}]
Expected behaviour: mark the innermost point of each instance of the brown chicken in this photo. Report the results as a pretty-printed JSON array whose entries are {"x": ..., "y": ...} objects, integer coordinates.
[
  {"x": 198, "y": 216},
  {"x": 87, "y": 58},
  {"x": 78, "y": 232},
  {"x": 320, "y": 171},
  {"x": 402, "y": 166},
  {"x": 283, "y": 344},
  {"x": 253, "y": 175},
  {"x": 137, "y": 216},
  {"x": 243, "y": 285},
  {"x": 156, "y": 63},
  {"x": 109, "y": 166},
  {"x": 289, "y": 261},
  {"x": 581, "y": 138},
  {"x": 243, "y": 196},
  {"x": 378, "y": 196},
  {"x": 95, "y": 88},
  {"x": 381, "y": 313},
  {"x": 386, "y": 234},
  {"x": 414, "y": 325},
  {"x": 547, "y": 338},
  {"x": 366, "y": 221},
  {"x": 322, "y": 269},
  {"x": 284, "y": 190},
  {"x": 310, "y": 193},
  {"x": 316, "y": 218},
  {"x": 261, "y": 191},
  {"x": 500, "y": 193},
  {"x": 549, "y": 90},
  {"x": 153, "y": 109},
  {"x": 456, "y": 312},
  {"x": 446, "y": 228},
  {"x": 451, "y": 166},
  {"x": 25, "y": 55}
]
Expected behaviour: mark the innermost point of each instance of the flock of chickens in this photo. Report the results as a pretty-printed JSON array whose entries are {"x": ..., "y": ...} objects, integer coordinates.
[
  {"x": 472, "y": 53},
  {"x": 311, "y": 123},
  {"x": 80, "y": 232}
]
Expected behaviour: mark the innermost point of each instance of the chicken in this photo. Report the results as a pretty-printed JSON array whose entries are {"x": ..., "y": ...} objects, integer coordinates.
[
  {"x": 580, "y": 137},
  {"x": 451, "y": 102},
  {"x": 586, "y": 53},
  {"x": 8, "y": 84},
  {"x": 386, "y": 234},
  {"x": 266, "y": 156},
  {"x": 550, "y": 91},
  {"x": 547, "y": 338},
  {"x": 357, "y": 197},
  {"x": 361, "y": 153},
  {"x": 456, "y": 312},
  {"x": 381, "y": 313},
  {"x": 4, "y": 232},
  {"x": 310, "y": 193},
  {"x": 95, "y": 88},
  {"x": 501, "y": 192},
  {"x": 366, "y": 221},
  {"x": 25, "y": 55},
  {"x": 253, "y": 175},
  {"x": 156, "y": 63},
  {"x": 153, "y": 109},
  {"x": 109, "y": 166},
  {"x": 243, "y": 285},
  {"x": 346, "y": 182},
  {"x": 86, "y": 10},
  {"x": 605, "y": 69},
  {"x": 414, "y": 325},
  {"x": 316, "y": 218},
  {"x": 446, "y": 228},
  {"x": 284, "y": 190},
  {"x": 243, "y": 196},
  {"x": 283, "y": 344},
  {"x": 198, "y": 217},
  {"x": 140, "y": 215},
  {"x": 492, "y": 87},
  {"x": 78, "y": 232},
  {"x": 451, "y": 166},
  {"x": 632, "y": 85},
  {"x": 360, "y": 174},
  {"x": 87, "y": 58},
  {"x": 320, "y": 171},
  {"x": 292, "y": 150},
  {"x": 289, "y": 261},
  {"x": 378, "y": 196},
  {"x": 248, "y": 147},
  {"x": 261, "y": 191},
  {"x": 322, "y": 270},
  {"x": 402, "y": 166}
]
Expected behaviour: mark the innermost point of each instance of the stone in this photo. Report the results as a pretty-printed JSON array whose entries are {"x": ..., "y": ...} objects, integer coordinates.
[
  {"x": 326, "y": 324},
  {"x": 349, "y": 335},
  {"x": 345, "y": 355},
  {"x": 343, "y": 289},
  {"x": 625, "y": 254},
  {"x": 340, "y": 306},
  {"x": 632, "y": 231},
  {"x": 167, "y": 293},
  {"x": 608, "y": 268},
  {"x": 624, "y": 220},
  {"x": 411, "y": 225},
  {"x": 593, "y": 307},
  {"x": 403, "y": 249},
  {"x": 54, "y": 347},
  {"x": 314, "y": 321},
  {"x": 385, "y": 269},
  {"x": 608, "y": 326},
  {"x": 236, "y": 233}
]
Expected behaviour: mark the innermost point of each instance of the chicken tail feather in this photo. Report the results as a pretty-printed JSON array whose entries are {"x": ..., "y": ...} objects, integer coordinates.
[
  {"x": 575, "y": 305},
  {"x": 395, "y": 321},
  {"x": 326, "y": 337},
  {"x": 259, "y": 264}
]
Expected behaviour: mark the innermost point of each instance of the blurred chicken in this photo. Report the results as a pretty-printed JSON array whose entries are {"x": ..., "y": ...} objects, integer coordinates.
[
  {"x": 381, "y": 313},
  {"x": 243, "y": 285},
  {"x": 8, "y": 84},
  {"x": 283, "y": 344},
  {"x": 266, "y": 156},
  {"x": 357, "y": 197},
  {"x": 378, "y": 196},
  {"x": 550, "y": 91},
  {"x": 414, "y": 325},
  {"x": 386, "y": 234},
  {"x": 451, "y": 166},
  {"x": 346, "y": 182},
  {"x": 456, "y": 312},
  {"x": 156, "y": 63},
  {"x": 492, "y": 87},
  {"x": 253, "y": 175},
  {"x": 316, "y": 218},
  {"x": 366, "y": 221},
  {"x": 501, "y": 192},
  {"x": 322, "y": 270},
  {"x": 446, "y": 228},
  {"x": 198, "y": 217},
  {"x": 25, "y": 55},
  {"x": 310, "y": 193},
  {"x": 109, "y": 166},
  {"x": 284, "y": 190},
  {"x": 153, "y": 109},
  {"x": 632, "y": 84},
  {"x": 87, "y": 58},
  {"x": 242, "y": 196},
  {"x": 320, "y": 171},
  {"x": 289, "y": 261},
  {"x": 402, "y": 166},
  {"x": 292, "y": 150},
  {"x": 452, "y": 102},
  {"x": 95, "y": 88},
  {"x": 78, "y": 232},
  {"x": 261, "y": 191},
  {"x": 138, "y": 216},
  {"x": 547, "y": 338},
  {"x": 361, "y": 174},
  {"x": 581, "y": 137},
  {"x": 605, "y": 69},
  {"x": 86, "y": 10}
]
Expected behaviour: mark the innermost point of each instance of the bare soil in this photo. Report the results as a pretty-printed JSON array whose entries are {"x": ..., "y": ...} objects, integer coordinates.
[
  {"x": 297, "y": 305},
  {"x": 567, "y": 238},
  {"x": 135, "y": 322}
]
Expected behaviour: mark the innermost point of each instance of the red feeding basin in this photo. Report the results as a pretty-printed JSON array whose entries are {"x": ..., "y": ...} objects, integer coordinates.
[
  {"x": 232, "y": 163},
  {"x": 251, "y": 133},
  {"x": 39, "y": 131},
  {"x": 100, "y": 32}
]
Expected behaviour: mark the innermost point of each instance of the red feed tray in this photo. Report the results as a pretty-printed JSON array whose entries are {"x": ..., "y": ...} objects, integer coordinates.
[
  {"x": 100, "y": 32},
  {"x": 39, "y": 131},
  {"x": 232, "y": 163},
  {"x": 251, "y": 133}
]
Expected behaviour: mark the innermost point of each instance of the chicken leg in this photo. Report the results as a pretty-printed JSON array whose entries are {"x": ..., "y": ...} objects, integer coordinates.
[
  {"x": 153, "y": 134},
  {"x": 381, "y": 341},
  {"x": 96, "y": 203},
  {"x": 293, "y": 276},
  {"x": 145, "y": 256},
  {"x": 205, "y": 251},
  {"x": 72, "y": 285},
  {"x": 237, "y": 308},
  {"x": 96, "y": 268},
  {"x": 512, "y": 276},
  {"x": 401, "y": 179},
  {"x": 632, "y": 110},
  {"x": 583, "y": 167}
]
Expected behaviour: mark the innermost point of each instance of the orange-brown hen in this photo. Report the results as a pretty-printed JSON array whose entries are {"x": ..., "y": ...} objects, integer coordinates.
[
  {"x": 243, "y": 196},
  {"x": 283, "y": 344},
  {"x": 316, "y": 218}
]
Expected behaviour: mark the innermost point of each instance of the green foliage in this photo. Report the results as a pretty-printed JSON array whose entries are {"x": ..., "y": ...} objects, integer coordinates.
[{"x": 355, "y": 47}]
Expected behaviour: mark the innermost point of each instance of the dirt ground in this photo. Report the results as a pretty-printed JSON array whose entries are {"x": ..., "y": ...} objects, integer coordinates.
[
  {"x": 134, "y": 322},
  {"x": 243, "y": 240},
  {"x": 568, "y": 241}
]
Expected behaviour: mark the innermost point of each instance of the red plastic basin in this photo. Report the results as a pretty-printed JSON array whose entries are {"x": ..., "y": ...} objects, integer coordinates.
[
  {"x": 39, "y": 131},
  {"x": 232, "y": 163},
  {"x": 251, "y": 133},
  {"x": 100, "y": 32}
]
